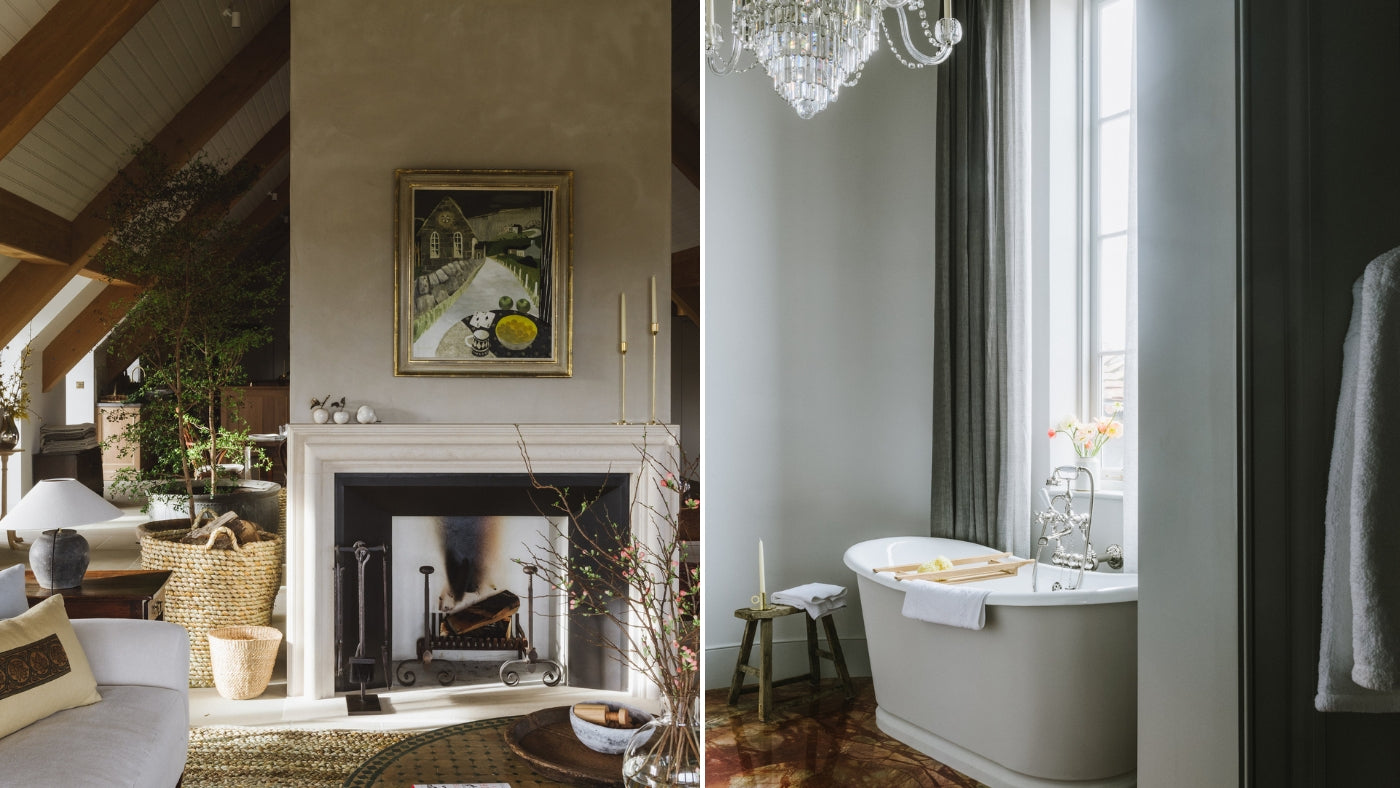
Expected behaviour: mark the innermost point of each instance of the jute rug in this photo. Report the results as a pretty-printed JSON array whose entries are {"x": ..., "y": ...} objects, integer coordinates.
[
  {"x": 222, "y": 757},
  {"x": 284, "y": 758}
]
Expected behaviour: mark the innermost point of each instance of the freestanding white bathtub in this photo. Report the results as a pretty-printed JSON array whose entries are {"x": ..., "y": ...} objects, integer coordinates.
[{"x": 1044, "y": 695}]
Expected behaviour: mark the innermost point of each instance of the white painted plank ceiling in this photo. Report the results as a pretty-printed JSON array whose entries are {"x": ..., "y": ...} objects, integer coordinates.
[{"x": 132, "y": 93}]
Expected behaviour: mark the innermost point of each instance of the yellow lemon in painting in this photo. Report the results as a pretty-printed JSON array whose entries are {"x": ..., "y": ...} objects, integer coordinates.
[{"x": 516, "y": 332}]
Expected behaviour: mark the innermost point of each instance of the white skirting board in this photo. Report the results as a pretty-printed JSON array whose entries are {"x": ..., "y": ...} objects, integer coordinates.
[
  {"x": 789, "y": 659},
  {"x": 977, "y": 767}
]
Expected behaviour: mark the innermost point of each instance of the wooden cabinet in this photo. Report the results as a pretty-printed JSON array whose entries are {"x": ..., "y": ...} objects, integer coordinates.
[
  {"x": 112, "y": 419},
  {"x": 265, "y": 408}
]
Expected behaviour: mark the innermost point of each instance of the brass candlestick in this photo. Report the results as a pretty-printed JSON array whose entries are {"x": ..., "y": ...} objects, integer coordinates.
[
  {"x": 759, "y": 601},
  {"x": 655, "y": 327},
  {"x": 622, "y": 348}
]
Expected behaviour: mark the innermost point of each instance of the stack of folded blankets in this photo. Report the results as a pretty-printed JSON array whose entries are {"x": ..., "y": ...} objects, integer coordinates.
[
  {"x": 817, "y": 599},
  {"x": 67, "y": 438}
]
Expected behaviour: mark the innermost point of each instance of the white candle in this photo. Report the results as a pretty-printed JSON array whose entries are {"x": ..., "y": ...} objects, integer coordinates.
[
  {"x": 947, "y": 9},
  {"x": 653, "y": 299},
  {"x": 760, "y": 566},
  {"x": 622, "y": 318}
]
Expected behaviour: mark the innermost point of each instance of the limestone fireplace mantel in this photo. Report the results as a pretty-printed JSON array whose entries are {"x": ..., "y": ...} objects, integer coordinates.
[{"x": 317, "y": 452}]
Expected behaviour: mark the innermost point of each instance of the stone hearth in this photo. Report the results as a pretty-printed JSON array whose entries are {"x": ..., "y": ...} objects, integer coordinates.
[{"x": 316, "y": 453}]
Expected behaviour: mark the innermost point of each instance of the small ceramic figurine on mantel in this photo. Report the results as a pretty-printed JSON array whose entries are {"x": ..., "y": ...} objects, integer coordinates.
[{"x": 323, "y": 408}]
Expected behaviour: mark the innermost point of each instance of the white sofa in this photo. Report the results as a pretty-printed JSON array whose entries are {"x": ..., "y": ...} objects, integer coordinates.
[{"x": 138, "y": 735}]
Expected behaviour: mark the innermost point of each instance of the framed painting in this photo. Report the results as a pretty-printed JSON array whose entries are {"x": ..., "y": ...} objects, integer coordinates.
[{"x": 482, "y": 272}]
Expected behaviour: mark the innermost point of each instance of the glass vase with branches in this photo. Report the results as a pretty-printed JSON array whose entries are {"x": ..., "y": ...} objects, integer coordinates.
[{"x": 644, "y": 587}]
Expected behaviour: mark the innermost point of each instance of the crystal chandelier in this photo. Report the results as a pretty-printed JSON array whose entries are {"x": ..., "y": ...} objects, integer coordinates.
[{"x": 811, "y": 48}]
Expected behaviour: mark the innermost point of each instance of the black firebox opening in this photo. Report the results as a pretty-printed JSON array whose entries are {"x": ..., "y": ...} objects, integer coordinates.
[{"x": 366, "y": 503}]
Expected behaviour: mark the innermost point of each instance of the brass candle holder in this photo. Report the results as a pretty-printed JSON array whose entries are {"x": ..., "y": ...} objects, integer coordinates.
[
  {"x": 655, "y": 328},
  {"x": 759, "y": 601},
  {"x": 622, "y": 349}
]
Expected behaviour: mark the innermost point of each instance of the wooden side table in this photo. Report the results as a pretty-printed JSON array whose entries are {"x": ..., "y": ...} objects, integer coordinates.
[
  {"x": 116, "y": 593},
  {"x": 762, "y": 621},
  {"x": 15, "y": 542}
]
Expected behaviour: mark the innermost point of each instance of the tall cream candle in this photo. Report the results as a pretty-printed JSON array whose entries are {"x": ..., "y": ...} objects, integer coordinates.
[
  {"x": 947, "y": 9},
  {"x": 622, "y": 318},
  {"x": 760, "y": 566},
  {"x": 653, "y": 299}
]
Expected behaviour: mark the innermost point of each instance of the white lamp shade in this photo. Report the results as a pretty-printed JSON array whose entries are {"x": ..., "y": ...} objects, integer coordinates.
[{"x": 59, "y": 503}]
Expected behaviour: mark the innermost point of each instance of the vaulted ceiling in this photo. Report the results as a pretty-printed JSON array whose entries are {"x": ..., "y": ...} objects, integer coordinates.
[{"x": 83, "y": 82}]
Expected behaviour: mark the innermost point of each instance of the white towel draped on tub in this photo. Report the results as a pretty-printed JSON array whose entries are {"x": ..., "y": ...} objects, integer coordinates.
[
  {"x": 1359, "y": 662},
  {"x": 937, "y": 603},
  {"x": 817, "y": 599}
]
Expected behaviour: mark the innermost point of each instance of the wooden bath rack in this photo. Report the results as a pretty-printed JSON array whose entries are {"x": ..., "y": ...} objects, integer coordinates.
[{"x": 965, "y": 570}]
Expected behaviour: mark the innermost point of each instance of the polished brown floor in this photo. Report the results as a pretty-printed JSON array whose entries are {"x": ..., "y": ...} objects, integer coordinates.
[{"x": 815, "y": 739}]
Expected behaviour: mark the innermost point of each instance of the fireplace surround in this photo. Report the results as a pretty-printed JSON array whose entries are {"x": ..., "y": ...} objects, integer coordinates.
[{"x": 318, "y": 453}]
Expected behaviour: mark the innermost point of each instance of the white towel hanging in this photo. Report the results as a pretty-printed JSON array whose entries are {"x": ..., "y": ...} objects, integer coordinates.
[{"x": 1359, "y": 653}]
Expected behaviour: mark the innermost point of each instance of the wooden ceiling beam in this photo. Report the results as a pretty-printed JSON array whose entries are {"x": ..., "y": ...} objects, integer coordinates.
[
  {"x": 84, "y": 331},
  {"x": 269, "y": 150},
  {"x": 29, "y": 232},
  {"x": 25, "y": 291},
  {"x": 198, "y": 121},
  {"x": 685, "y": 282},
  {"x": 54, "y": 56}
]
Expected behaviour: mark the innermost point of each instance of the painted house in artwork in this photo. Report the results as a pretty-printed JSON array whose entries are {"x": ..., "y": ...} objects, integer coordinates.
[{"x": 445, "y": 236}]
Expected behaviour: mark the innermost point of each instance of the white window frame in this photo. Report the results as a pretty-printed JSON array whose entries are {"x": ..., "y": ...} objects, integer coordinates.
[
  {"x": 434, "y": 245},
  {"x": 1092, "y": 355}
]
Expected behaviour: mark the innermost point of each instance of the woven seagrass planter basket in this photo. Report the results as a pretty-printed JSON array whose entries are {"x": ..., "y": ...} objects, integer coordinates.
[{"x": 211, "y": 588}]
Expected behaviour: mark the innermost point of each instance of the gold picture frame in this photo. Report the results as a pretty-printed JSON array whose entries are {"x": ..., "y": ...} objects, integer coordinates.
[{"x": 466, "y": 242}]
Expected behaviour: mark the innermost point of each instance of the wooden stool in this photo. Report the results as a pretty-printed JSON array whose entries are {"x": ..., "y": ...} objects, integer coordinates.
[{"x": 761, "y": 621}]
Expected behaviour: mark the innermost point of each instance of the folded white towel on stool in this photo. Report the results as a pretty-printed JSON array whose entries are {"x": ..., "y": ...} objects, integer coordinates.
[
  {"x": 817, "y": 599},
  {"x": 937, "y": 603}
]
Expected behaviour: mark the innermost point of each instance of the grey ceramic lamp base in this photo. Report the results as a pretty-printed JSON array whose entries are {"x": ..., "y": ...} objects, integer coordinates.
[{"x": 59, "y": 558}]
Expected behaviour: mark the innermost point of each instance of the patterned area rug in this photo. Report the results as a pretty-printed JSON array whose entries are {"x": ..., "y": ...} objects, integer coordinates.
[
  {"x": 223, "y": 757},
  {"x": 814, "y": 740}
]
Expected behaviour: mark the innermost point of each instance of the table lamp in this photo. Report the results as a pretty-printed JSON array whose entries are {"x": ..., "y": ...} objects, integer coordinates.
[{"x": 59, "y": 557}]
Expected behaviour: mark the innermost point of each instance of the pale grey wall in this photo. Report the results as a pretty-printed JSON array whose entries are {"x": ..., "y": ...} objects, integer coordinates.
[
  {"x": 818, "y": 372},
  {"x": 1188, "y": 687},
  {"x": 532, "y": 84}
]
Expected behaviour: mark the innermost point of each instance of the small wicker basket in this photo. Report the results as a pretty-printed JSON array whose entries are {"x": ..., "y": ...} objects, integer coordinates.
[
  {"x": 211, "y": 588},
  {"x": 242, "y": 659}
]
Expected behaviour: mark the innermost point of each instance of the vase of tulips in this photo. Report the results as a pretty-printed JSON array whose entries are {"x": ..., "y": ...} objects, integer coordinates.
[{"x": 1088, "y": 437}]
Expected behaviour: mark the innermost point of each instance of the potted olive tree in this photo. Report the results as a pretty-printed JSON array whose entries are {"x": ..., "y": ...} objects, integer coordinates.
[{"x": 205, "y": 303}]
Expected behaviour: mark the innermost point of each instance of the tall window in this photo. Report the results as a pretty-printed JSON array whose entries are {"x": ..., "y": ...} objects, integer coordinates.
[
  {"x": 457, "y": 245},
  {"x": 1108, "y": 121},
  {"x": 434, "y": 245}
]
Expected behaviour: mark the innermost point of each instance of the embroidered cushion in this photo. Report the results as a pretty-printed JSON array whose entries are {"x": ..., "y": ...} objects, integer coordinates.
[
  {"x": 12, "y": 599},
  {"x": 42, "y": 667}
]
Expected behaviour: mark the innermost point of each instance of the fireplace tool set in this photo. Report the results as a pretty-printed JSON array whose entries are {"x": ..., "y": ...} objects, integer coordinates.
[
  {"x": 493, "y": 624},
  {"x": 361, "y": 666}
]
